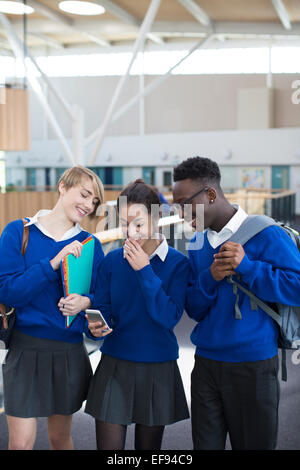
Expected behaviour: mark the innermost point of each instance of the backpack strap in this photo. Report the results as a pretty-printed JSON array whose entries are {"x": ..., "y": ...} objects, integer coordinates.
[
  {"x": 251, "y": 226},
  {"x": 25, "y": 237},
  {"x": 256, "y": 301}
]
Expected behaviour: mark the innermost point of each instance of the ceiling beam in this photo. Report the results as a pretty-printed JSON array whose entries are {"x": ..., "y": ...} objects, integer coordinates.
[
  {"x": 282, "y": 13},
  {"x": 54, "y": 43},
  {"x": 180, "y": 29},
  {"x": 226, "y": 27},
  {"x": 66, "y": 21},
  {"x": 119, "y": 12},
  {"x": 197, "y": 12},
  {"x": 126, "y": 17}
]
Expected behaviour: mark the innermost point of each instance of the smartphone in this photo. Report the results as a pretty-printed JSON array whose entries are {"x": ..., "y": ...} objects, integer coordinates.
[{"x": 95, "y": 316}]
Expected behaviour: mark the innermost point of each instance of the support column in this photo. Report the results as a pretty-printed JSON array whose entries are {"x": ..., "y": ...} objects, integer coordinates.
[{"x": 145, "y": 28}]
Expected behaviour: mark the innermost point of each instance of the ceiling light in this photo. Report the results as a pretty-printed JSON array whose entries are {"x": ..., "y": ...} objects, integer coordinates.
[
  {"x": 81, "y": 8},
  {"x": 15, "y": 8}
]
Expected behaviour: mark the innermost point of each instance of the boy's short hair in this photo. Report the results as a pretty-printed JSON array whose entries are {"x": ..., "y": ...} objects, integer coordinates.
[
  {"x": 198, "y": 168},
  {"x": 73, "y": 177}
]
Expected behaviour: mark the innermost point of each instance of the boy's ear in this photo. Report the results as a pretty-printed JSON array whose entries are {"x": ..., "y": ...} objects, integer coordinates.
[
  {"x": 211, "y": 195},
  {"x": 61, "y": 188}
]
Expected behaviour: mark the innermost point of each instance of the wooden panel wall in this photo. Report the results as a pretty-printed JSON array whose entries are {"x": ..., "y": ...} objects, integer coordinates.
[
  {"x": 15, "y": 205},
  {"x": 14, "y": 120}
]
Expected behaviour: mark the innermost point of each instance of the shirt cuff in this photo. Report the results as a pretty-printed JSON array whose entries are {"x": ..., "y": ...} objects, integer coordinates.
[{"x": 48, "y": 270}]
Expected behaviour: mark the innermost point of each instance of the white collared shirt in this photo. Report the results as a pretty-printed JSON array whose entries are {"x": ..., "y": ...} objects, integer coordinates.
[
  {"x": 161, "y": 250},
  {"x": 217, "y": 238},
  {"x": 69, "y": 233}
]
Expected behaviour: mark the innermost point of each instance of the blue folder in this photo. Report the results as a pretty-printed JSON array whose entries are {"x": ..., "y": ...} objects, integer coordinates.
[{"x": 77, "y": 272}]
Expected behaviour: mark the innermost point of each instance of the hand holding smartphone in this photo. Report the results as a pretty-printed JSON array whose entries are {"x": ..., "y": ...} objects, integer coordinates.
[{"x": 95, "y": 316}]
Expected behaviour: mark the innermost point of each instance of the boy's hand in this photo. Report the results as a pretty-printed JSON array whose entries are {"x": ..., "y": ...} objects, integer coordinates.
[{"x": 227, "y": 260}]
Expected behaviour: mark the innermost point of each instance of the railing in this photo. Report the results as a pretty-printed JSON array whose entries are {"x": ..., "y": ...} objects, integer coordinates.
[
  {"x": 276, "y": 203},
  {"x": 281, "y": 205}
]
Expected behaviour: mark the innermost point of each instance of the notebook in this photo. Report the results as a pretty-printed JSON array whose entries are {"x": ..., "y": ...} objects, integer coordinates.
[{"x": 77, "y": 272}]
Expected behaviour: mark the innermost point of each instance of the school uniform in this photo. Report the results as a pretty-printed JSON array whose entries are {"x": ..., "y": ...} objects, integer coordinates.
[
  {"x": 137, "y": 379},
  {"x": 234, "y": 383},
  {"x": 47, "y": 369}
]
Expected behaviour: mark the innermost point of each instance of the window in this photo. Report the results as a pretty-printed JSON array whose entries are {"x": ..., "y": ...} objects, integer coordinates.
[
  {"x": 58, "y": 173},
  {"x": 2, "y": 173},
  {"x": 167, "y": 178},
  {"x": 149, "y": 175},
  {"x": 223, "y": 60},
  {"x": 31, "y": 178}
]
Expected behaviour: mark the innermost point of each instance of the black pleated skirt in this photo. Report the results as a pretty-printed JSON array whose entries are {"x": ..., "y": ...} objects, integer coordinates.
[
  {"x": 43, "y": 377},
  {"x": 125, "y": 392}
]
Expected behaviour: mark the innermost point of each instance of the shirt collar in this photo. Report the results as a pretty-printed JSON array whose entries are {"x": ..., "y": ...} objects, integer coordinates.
[
  {"x": 34, "y": 221},
  {"x": 236, "y": 221},
  {"x": 216, "y": 238},
  {"x": 162, "y": 249}
]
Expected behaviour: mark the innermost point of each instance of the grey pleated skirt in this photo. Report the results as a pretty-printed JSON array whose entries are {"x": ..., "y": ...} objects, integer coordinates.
[
  {"x": 125, "y": 392},
  {"x": 43, "y": 377}
]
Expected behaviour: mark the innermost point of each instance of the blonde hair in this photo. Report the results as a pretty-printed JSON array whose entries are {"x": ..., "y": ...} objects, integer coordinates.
[{"x": 73, "y": 177}]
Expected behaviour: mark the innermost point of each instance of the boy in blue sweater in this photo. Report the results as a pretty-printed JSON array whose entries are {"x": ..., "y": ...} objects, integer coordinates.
[{"x": 234, "y": 384}]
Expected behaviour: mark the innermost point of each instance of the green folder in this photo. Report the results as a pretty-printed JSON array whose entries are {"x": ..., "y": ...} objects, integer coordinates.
[{"x": 77, "y": 272}]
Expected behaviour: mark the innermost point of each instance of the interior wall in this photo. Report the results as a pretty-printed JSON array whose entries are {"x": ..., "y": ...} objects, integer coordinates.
[{"x": 183, "y": 103}]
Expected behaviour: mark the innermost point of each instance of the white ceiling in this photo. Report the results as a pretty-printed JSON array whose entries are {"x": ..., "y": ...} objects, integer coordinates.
[{"x": 176, "y": 22}]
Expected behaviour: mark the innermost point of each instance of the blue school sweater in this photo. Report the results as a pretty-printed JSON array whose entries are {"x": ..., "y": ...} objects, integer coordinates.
[
  {"x": 31, "y": 285},
  {"x": 270, "y": 269},
  {"x": 142, "y": 306}
]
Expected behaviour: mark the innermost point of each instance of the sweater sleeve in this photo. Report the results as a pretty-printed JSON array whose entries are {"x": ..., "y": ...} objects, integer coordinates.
[
  {"x": 276, "y": 277},
  {"x": 201, "y": 292},
  {"x": 18, "y": 285},
  {"x": 165, "y": 308}
]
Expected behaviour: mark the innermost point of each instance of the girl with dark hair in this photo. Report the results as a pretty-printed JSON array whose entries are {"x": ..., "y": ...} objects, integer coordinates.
[{"x": 140, "y": 290}]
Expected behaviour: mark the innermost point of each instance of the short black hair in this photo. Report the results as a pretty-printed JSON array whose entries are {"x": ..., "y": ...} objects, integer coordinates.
[{"x": 198, "y": 168}]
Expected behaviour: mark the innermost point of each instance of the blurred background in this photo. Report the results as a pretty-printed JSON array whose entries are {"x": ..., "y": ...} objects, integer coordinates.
[{"x": 130, "y": 89}]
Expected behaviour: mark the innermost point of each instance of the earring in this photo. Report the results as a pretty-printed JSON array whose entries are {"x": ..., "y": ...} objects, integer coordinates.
[{"x": 211, "y": 201}]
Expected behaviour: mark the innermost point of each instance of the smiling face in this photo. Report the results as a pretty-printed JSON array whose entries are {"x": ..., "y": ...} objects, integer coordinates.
[
  {"x": 78, "y": 201},
  {"x": 194, "y": 193},
  {"x": 137, "y": 223}
]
